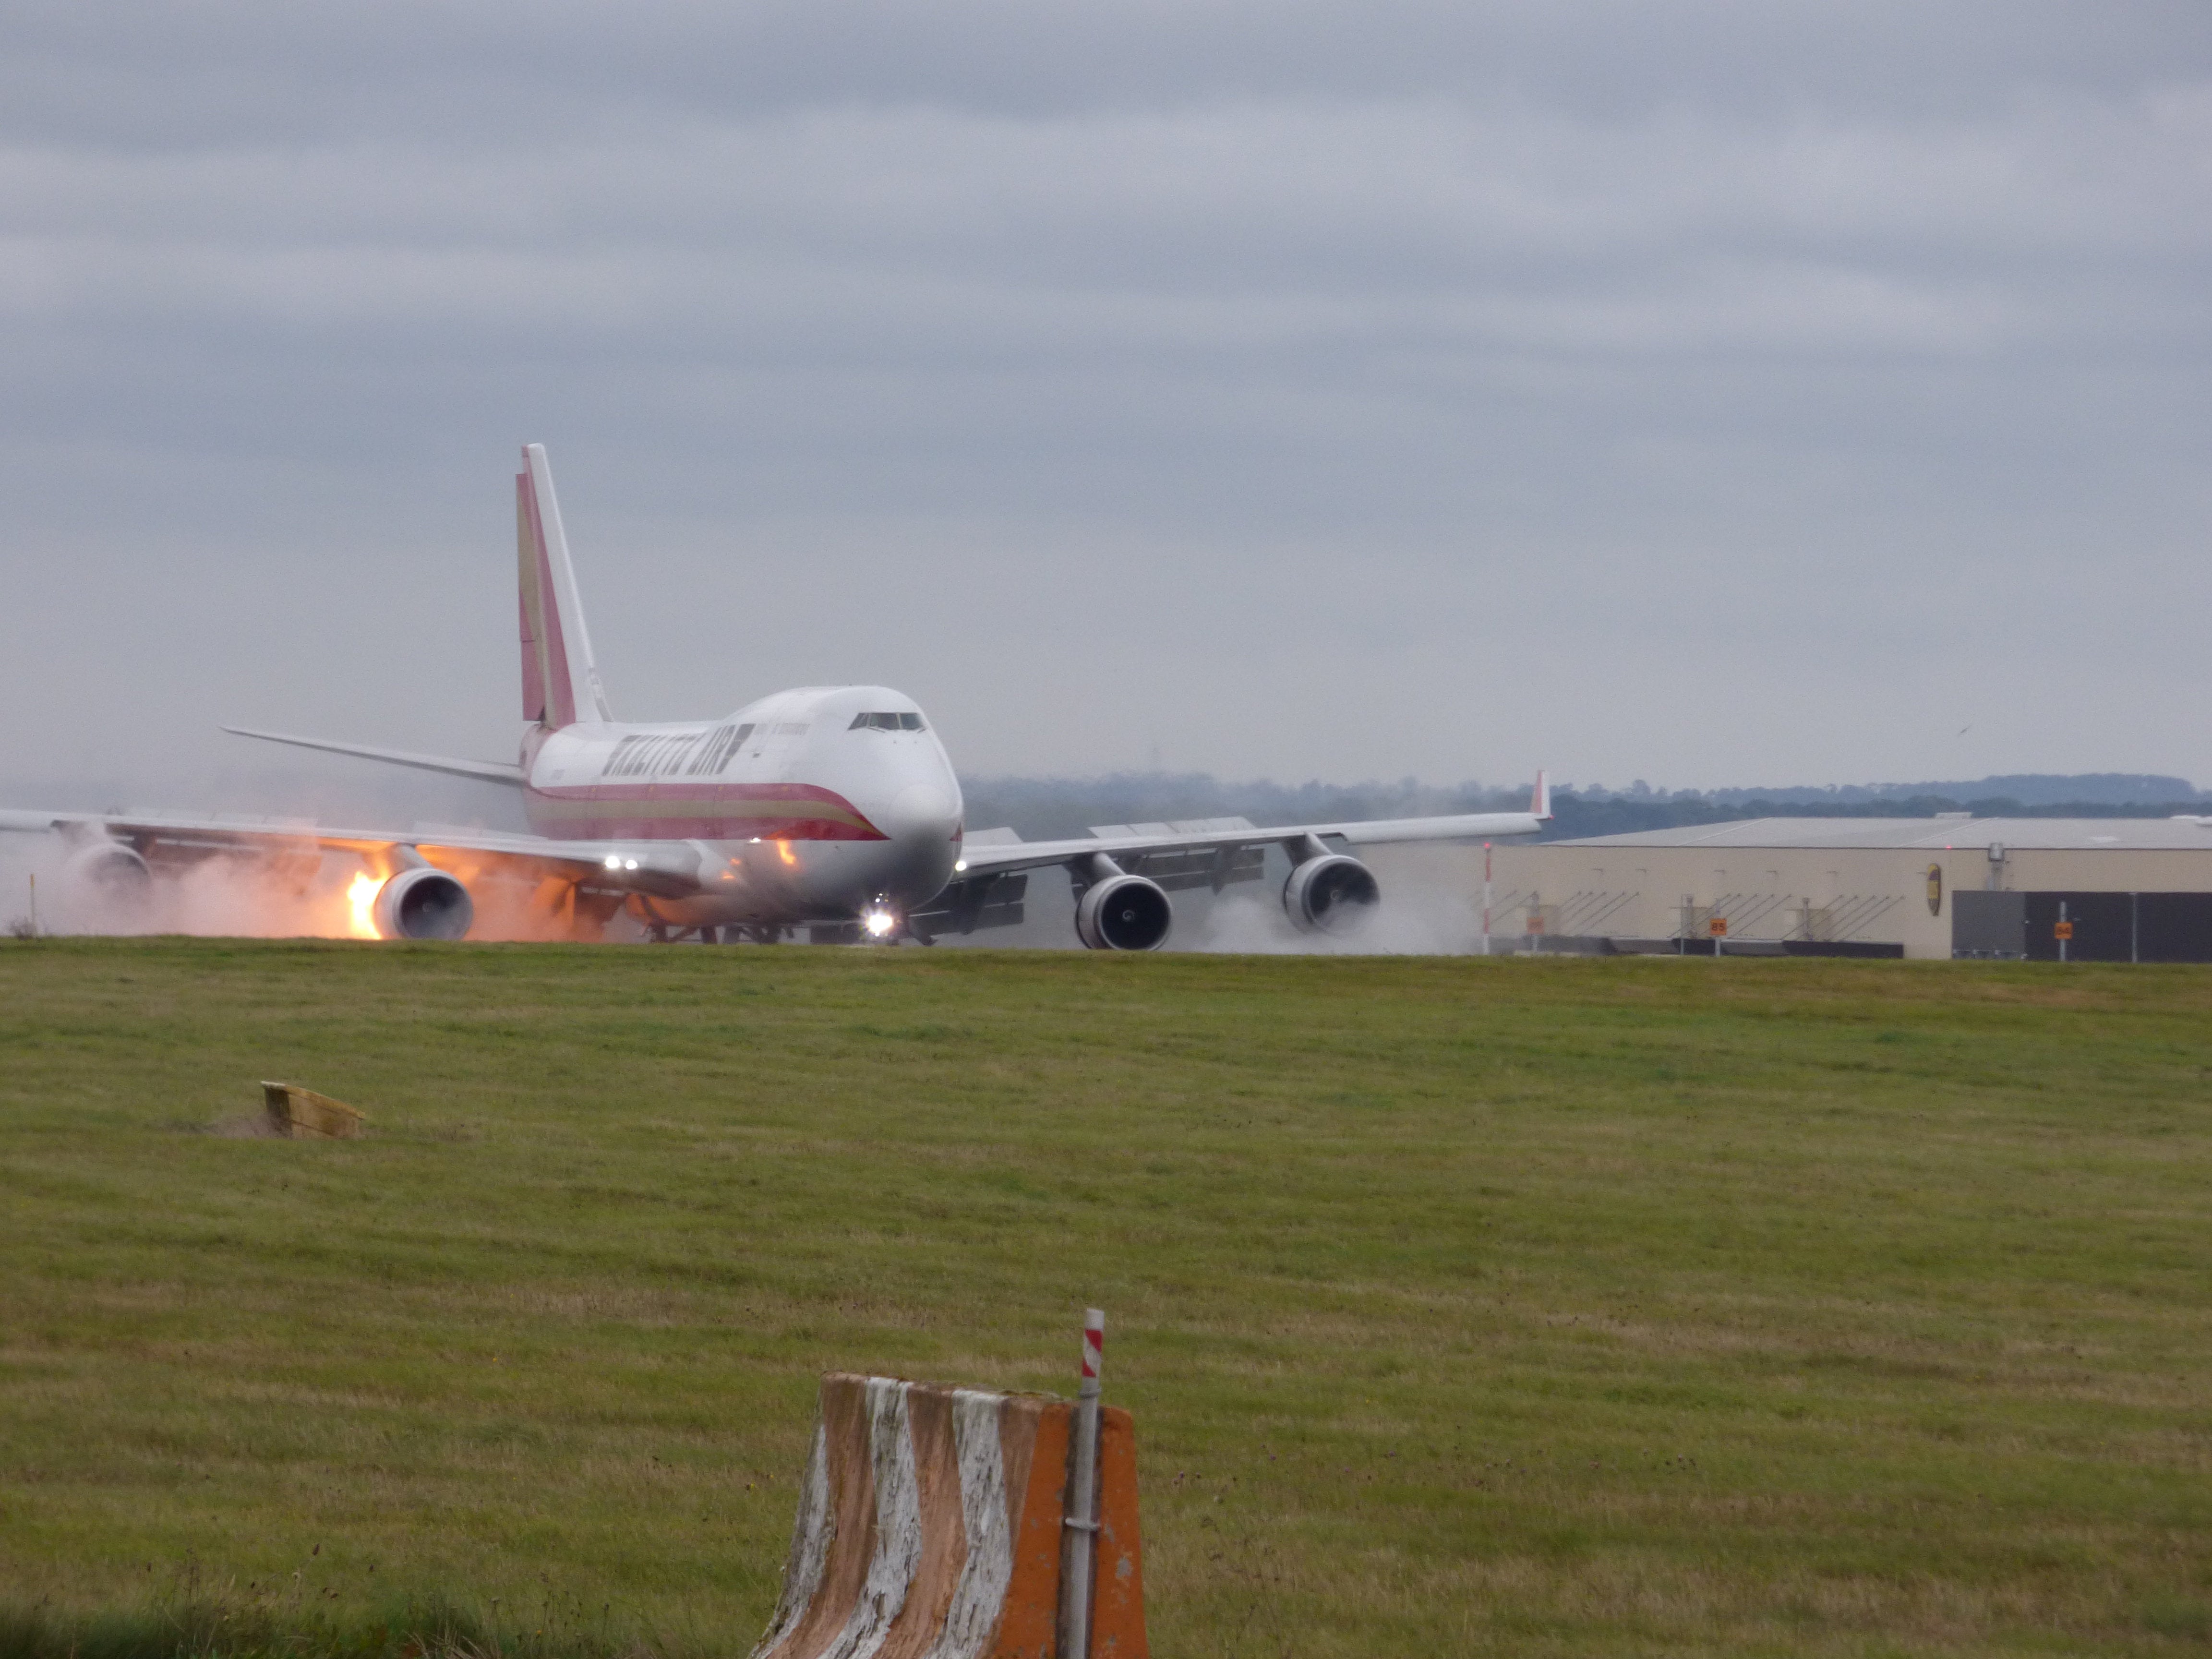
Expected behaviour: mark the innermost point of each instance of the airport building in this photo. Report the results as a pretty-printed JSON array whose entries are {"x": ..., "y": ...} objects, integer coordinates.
[{"x": 2104, "y": 890}]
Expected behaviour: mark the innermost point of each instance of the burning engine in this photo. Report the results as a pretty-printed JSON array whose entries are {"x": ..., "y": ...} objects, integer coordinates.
[
  {"x": 1333, "y": 893},
  {"x": 422, "y": 903},
  {"x": 1123, "y": 912}
]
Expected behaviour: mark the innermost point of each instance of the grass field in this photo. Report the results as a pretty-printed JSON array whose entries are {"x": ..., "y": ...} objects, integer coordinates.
[{"x": 1526, "y": 1307}]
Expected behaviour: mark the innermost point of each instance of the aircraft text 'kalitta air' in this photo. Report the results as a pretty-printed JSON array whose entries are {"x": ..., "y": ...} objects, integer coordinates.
[{"x": 831, "y": 808}]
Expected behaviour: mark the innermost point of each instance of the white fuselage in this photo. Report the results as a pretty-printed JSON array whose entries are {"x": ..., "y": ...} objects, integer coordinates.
[{"x": 808, "y": 806}]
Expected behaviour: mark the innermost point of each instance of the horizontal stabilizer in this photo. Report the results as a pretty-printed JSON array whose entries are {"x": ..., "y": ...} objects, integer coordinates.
[{"x": 485, "y": 771}]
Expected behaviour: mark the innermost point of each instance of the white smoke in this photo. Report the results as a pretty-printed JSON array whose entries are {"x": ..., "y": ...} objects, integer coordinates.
[
  {"x": 236, "y": 897},
  {"x": 1432, "y": 906},
  {"x": 226, "y": 897},
  {"x": 33, "y": 887},
  {"x": 1411, "y": 921}
]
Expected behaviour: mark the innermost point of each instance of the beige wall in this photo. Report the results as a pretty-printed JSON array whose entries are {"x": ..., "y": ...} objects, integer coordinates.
[{"x": 1870, "y": 894}]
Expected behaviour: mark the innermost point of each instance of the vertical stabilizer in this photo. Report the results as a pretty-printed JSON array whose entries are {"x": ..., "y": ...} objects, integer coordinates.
[{"x": 560, "y": 682}]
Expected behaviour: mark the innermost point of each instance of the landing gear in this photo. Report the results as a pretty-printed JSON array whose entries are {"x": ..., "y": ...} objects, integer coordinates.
[
  {"x": 858, "y": 932},
  {"x": 755, "y": 933},
  {"x": 566, "y": 909},
  {"x": 664, "y": 932}
]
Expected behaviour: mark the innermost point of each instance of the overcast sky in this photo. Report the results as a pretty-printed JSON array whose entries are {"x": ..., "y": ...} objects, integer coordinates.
[{"x": 1703, "y": 393}]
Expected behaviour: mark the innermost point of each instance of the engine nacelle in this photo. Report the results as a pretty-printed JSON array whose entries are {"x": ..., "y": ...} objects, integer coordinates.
[
  {"x": 1124, "y": 912},
  {"x": 1334, "y": 893},
  {"x": 108, "y": 872},
  {"x": 422, "y": 903}
]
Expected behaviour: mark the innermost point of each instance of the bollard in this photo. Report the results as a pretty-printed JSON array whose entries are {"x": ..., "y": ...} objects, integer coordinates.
[{"x": 939, "y": 1523}]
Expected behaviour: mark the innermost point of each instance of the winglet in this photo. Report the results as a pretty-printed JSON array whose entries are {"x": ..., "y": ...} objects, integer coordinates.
[{"x": 1540, "y": 804}]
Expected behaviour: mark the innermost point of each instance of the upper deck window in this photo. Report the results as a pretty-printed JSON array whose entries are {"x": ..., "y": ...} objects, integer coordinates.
[{"x": 885, "y": 723}]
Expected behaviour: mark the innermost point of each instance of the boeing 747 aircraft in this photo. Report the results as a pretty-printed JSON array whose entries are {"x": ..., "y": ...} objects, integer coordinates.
[{"x": 833, "y": 810}]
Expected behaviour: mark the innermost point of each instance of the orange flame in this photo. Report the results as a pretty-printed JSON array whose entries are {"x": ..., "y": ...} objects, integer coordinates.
[{"x": 360, "y": 897}]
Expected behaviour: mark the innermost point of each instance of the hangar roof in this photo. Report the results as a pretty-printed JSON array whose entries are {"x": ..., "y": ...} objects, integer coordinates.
[{"x": 2084, "y": 834}]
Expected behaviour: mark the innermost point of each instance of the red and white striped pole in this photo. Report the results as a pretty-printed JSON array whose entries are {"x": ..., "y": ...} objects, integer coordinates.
[{"x": 1083, "y": 1496}]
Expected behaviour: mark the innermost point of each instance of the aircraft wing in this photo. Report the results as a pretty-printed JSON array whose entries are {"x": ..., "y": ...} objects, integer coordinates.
[
  {"x": 661, "y": 868},
  {"x": 1206, "y": 852}
]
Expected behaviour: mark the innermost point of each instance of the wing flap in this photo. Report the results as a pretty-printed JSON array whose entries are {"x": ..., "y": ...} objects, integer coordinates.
[
  {"x": 1179, "y": 869},
  {"x": 991, "y": 901},
  {"x": 1138, "y": 843}
]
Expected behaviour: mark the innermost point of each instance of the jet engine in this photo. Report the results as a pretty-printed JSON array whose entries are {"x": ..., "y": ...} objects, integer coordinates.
[
  {"x": 1333, "y": 893},
  {"x": 1124, "y": 912},
  {"x": 107, "y": 872},
  {"x": 422, "y": 903}
]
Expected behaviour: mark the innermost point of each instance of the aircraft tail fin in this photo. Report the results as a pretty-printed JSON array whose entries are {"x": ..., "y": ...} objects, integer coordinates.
[
  {"x": 560, "y": 682},
  {"x": 1540, "y": 799}
]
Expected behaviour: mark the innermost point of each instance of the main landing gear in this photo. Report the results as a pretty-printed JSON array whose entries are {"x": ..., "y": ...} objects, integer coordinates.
[
  {"x": 748, "y": 932},
  {"x": 662, "y": 933}
]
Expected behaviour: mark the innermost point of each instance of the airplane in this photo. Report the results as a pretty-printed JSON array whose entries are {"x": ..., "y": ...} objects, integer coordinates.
[{"x": 830, "y": 810}]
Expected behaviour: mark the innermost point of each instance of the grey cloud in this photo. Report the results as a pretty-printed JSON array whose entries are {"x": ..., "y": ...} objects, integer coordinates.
[
  {"x": 1692, "y": 391},
  {"x": 170, "y": 74}
]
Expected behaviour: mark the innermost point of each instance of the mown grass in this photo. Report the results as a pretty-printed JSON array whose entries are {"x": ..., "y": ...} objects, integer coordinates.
[{"x": 1516, "y": 1306}]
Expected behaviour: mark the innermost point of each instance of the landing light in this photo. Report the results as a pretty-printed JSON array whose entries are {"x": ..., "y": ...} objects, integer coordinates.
[
  {"x": 958, "y": 865},
  {"x": 613, "y": 862},
  {"x": 879, "y": 923},
  {"x": 630, "y": 864}
]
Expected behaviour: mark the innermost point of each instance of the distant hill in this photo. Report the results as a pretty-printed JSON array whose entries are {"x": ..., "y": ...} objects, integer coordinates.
[
  {"x": 2040, "y": 789},
  {"x": 1043, "y": 808}
]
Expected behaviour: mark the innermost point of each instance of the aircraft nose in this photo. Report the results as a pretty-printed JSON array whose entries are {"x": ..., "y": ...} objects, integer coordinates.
[{"x": 921, "y": 812}]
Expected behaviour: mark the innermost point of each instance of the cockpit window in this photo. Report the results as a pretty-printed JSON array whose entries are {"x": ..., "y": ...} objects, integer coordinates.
[{"x": 885, "y": 723}]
